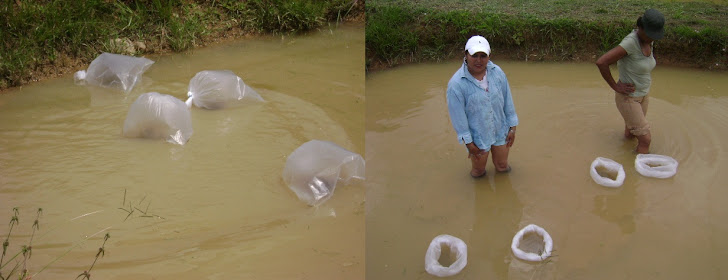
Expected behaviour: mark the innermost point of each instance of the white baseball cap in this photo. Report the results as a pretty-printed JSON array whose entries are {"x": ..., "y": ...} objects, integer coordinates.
[{"x": 477, "y": 44}]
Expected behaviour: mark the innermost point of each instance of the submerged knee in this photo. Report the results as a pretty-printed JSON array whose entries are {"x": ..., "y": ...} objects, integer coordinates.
[{"x": 501, "y": 165}]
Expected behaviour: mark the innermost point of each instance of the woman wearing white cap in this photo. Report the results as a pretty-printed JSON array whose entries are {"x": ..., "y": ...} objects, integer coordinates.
[
  {"x": 481, "y": 108},
  {"x": 635, "y": 60}
]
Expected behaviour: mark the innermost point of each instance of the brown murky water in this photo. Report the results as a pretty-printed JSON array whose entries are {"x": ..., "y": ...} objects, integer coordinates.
[
  {"x": 418, "y": 183},
  {"x": 218, "y": 205}
]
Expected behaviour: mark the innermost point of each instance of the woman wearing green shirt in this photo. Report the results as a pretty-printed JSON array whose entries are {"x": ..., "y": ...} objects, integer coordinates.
[{"x": 635, "y": 61}]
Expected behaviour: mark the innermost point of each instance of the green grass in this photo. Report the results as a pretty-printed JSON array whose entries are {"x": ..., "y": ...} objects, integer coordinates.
[
  {"x": 540, "y": 29},
  {"x": 39, "y": 38}
]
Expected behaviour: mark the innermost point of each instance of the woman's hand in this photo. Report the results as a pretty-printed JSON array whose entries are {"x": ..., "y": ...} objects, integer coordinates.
[
  {"x": 473, "y": 150},
  {"x": 623, "y": 88},
  {"x": 511, "y": 137}
]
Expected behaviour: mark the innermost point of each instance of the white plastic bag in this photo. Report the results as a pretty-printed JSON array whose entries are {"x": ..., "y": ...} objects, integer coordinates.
[
  {"x": 219, "y": 89},
  {"x": 611, "y": 166},
  {"x": 527, "y": 256},
  {"x": 114, "y": 71},
  {"x": 313, "y": 170},
  {"x": 657, "y": 166},
  {"x": 456, "y": 245},
  {"x": 159, "y": 116}
]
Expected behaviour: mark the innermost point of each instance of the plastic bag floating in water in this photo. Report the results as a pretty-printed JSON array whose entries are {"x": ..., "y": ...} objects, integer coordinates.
[
  {"x": 611, "y": 166},
  {"x": 457, "y": 247},
  {"x": 656, "y": 166},
  {"x": 219, "y": 89},
  {"x": 530, "y": 256},
  {"x": 114, "y": 71},
  {"x": 313, "y": 170},
  {"x": 159, "y": 116}
]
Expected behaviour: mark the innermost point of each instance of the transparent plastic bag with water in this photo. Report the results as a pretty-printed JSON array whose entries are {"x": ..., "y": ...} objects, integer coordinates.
[
  {"x": 217, "y": 89},
  {"x": 159, "y": 116},
  {"x": 116, "y": 71},
  {"x": 314, "y": 169}
]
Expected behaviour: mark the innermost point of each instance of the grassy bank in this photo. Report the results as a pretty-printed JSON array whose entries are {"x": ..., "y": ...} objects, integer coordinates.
[
  {"x": 45, "y": 38},
  {"x": 399, "y": 31}
]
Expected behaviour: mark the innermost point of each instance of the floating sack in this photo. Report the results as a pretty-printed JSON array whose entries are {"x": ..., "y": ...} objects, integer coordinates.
[
  {"x": 314, "y": 168},
  {"x": 159, "y": 116},
  {"x": 114, "y": 71},
  {"x": 657, "y": 166},
  {"x": 456, "y": 245},
  {"x": 611, "y": 166},
  {"x": 219, "y": 89},
  {"x": 529, "y": 256}
]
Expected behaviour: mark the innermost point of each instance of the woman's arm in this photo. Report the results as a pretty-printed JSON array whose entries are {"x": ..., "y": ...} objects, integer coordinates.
[
  {"x": 456, "y": 109},
  {"x": 609, "y": 58}
]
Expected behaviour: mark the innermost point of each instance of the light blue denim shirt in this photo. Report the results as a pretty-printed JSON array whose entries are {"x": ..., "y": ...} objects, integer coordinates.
[{"x": 481, "y": 116}]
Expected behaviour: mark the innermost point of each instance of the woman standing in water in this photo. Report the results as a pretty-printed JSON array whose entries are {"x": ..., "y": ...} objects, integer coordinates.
[
  {"x": 635, "y": 60},
  {"x": 481, "y": 108}
]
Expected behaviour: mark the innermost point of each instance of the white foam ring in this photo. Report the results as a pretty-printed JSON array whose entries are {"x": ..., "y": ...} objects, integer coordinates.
[
  {"x": 548, "y": 244},
  {"x": 457, "y": 246},
  {"x": 611, "y": 166},
  {"x": 656, "y": 166}
]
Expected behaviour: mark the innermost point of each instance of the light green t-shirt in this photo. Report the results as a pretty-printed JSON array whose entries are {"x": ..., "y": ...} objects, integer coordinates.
[{"x": 635, "y": 67}]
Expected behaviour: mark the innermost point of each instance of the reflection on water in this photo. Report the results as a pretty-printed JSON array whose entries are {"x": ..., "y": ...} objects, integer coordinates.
[
  {"x": 214, "y": 208},
  {"x": 418, "y": 184}
]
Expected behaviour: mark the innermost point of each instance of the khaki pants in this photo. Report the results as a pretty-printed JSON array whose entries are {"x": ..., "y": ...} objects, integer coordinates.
[{"x": 634, "y": 112}]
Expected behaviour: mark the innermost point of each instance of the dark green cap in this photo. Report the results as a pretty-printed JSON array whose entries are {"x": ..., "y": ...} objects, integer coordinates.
[{"x": 653, "y": 22}]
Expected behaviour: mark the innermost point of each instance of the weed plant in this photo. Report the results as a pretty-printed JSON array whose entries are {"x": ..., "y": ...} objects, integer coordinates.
[
  {"x": 26, "y": 250},
  {"x": 133, "y": 209},
  {"x": 10, "y": 268},
  {"x": 87, "y": 273}
]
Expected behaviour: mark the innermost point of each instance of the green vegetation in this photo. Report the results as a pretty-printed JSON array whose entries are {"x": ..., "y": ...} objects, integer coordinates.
[
  {"x": 10, "y": 268},
  {"x": 399, "y": 31},
  {"x": 26, "y": 250},
  {"x": 47, "y": 37},
  {"x": 87, "y": 273}
]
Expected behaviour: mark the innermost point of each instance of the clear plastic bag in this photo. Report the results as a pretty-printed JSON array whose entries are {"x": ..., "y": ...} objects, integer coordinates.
[
  {"x": 530, "y": 256},
  {"x": 217, "y": 89},
  {"x": 457, "y": 247},
  {"x": 159, "y": 116},
  {"x": 114, "y": 71},
  {"x": 656, "y": 166},
  {"x": 313, "y": 170},
  {"x": 611, "y": 166}
]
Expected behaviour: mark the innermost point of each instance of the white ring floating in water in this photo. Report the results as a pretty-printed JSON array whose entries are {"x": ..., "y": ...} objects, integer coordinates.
[
  {"x": 457, "y": 246},
  {"x": 656, "y": 166},
  {"x": 548, "y": 244},
  {"x": 611, "y": 166}
]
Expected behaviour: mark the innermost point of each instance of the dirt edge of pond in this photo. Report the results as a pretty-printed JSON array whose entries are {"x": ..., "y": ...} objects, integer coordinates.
[{"x": 66, "y": 63}]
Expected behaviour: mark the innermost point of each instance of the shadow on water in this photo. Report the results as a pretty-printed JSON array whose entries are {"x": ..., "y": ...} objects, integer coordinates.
[{"x": 498, "y": 213}]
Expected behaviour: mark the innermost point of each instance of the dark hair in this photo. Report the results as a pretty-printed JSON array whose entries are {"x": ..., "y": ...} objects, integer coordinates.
[{"x": 639, "y": 23}]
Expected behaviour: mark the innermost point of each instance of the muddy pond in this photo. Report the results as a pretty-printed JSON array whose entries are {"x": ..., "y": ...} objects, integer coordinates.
[
  {"x": 418, "y": 182},
  {"x": 214, "y": 208}
]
